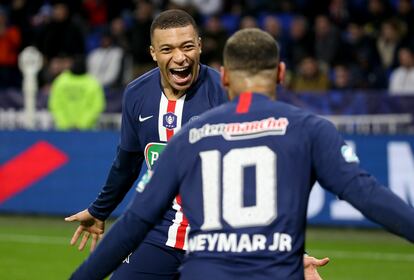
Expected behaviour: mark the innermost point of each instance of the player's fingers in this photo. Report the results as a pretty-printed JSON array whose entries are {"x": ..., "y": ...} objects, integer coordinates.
[
  {"x": 96, "y": 230},
  {"x": 84, "y": 240},
  {"x": 76, "y": 235},
  {"x": 322, "y": 262},
  {"x": 71, "y": 218},
  {"x": 95, "y": 239}
]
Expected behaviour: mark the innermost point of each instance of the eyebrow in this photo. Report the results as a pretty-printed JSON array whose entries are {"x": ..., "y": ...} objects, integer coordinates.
[{"x": 183, "y": 43}]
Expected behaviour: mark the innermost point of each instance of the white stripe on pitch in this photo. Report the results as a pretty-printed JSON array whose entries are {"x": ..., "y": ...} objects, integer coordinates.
[
  {"x": 363, "y": 255},
  {"x": 34, "y": 239},
  {"x": 41, "y": 239}
]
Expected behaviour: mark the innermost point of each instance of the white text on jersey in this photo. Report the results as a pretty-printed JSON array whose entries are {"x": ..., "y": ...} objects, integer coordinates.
[{"x": 240, "y": 131}]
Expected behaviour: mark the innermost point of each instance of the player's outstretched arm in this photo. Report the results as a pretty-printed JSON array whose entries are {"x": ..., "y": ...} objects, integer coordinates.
[
  {"x": 89, "y": 226},
  {"x": 311, "y": 264}
]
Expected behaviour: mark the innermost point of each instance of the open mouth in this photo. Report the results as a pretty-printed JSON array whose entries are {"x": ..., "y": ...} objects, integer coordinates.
[{"x": 181, "y": 75}]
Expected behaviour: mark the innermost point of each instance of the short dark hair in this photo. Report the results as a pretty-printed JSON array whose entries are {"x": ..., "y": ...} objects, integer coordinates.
[
  {"x": 251, "y": 50},
  {"x": 172, "y": 19}
]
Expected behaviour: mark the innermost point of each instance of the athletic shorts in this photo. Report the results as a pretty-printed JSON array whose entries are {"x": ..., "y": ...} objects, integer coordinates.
[{"x": 150, "y": 262}]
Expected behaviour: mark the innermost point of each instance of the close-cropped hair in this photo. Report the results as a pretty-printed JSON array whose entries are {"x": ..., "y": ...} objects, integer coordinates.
[
  {"x": 251, "y": 50},
  {"x": 172, "y": 19}
]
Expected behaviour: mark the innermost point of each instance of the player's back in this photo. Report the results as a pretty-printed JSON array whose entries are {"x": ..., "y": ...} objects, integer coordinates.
[{"x": 252, "y": 158}]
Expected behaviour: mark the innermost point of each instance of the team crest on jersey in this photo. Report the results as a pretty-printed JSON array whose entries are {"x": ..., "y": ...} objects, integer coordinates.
[
  {"x": 241, "y": 131},
  {"x": 152, "y": 152},
  {"x": 169, "y": 120},
  {"x": 349, "y": 154}
]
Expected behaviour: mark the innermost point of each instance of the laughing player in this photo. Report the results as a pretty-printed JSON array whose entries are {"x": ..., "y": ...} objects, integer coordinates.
[
  {"x": 155, "y": 107},
  {"x": 245, "y": 173}
]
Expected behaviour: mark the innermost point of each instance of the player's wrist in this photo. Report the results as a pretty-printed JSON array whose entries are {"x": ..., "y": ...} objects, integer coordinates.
[{"x": 95, "y": 213}]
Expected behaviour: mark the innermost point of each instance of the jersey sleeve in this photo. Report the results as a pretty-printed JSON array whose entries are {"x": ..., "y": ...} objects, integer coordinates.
[
  {"x": 337, "y": 169},
  {"x": 126, "y": 166},
  {"x": 129, "y": 133},
  {"x": 123, "y": 173}
]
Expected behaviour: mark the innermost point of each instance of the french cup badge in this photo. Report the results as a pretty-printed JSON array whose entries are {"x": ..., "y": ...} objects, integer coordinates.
[{"x": 169, "y": 120}]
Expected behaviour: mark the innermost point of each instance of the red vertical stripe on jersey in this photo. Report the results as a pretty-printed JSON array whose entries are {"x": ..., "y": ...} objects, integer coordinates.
[
  {"x": 170, "y": 109},
  {"x": 182, "y": 228},
  {"x": 179, "y": 243},
  {"x": 245, "y": 100}
]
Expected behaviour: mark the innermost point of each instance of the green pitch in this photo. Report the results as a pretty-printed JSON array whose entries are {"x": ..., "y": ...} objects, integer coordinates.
[{"x": 38, "y": 248}]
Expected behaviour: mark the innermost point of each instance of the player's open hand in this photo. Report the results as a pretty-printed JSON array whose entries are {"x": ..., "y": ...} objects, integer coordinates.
[
  {"x": 311, "y": 264},
  {"x": 89, "y": 226}
]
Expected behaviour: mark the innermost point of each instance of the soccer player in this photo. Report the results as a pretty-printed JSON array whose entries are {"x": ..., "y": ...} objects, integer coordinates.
[
  {"x": 245, "y": 172},
  {"x": 154, "y": 108}
]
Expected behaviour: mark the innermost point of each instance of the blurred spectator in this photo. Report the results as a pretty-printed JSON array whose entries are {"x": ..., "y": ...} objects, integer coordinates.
[
  {"x": 300, "y": 42},
  {"x": 310, "y": 77},
  {"x": 213, "y": 38},
  {"x": 59, "y": 39},
  {"x": 402, "y": 78},
  {"x": 209, "y": 7},
  {"x": 76, "y": 98},
  {"x": 367, "y": 75},
  {"x": 327, "y": 40},
  {"x": 405, "y": 12},
  {"x": 338, "y": 13},
  {"x": 61, "y": 36},
  {"x": 52, "y": 69},
  {"x": 341, "y": 78},
  {"x": 248, "y": 22},
  {"x": 358, "y": 43},
  {"x": 139, "y": 35},
  {"x": 273, "y": 26},
  {"x": 120, "y": 38},
  {"x": 388, "y": 42},
  {"x": 105, "y": 62},
  {"x": 96, "y": 12},
  {"x": 10, "y": 42},
  {"x": 363, "y": 57},
  {"x": 119, "y": 34},
  {"x": 20, "y": 13},
  {"x": 378, "y": 11}
]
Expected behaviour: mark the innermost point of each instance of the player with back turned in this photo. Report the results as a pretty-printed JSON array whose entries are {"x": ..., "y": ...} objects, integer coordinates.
[{"x": 245, "y": 173}]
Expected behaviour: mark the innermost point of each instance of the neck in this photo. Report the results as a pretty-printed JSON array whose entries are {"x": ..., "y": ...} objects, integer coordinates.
[
  {"x": 265, "y": 88},
  {"x": 173, "y": 94}
]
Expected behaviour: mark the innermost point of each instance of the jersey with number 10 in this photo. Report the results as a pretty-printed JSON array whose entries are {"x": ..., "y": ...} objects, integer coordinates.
[
  {"x": 244, "y": 171},
  {"x": 149, "y": 120}
]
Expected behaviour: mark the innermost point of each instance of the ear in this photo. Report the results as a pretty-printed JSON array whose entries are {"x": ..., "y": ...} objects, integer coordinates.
[
  {"x": 200, "y": 45},
  {"x": 224, "y": 77},
  {"x": 281, "y": 73},
  {"x": 152, "y": 52}
]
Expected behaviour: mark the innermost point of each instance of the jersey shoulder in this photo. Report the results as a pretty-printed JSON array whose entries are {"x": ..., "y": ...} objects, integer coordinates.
[
  {"x": 144, "y": 85},
  {"x": 210, "y": 80}
]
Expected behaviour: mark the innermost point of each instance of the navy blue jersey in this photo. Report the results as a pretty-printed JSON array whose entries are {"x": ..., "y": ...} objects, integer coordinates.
[
  {"x": 149, "y": 120},
  {"x": 244, "y": 171}
]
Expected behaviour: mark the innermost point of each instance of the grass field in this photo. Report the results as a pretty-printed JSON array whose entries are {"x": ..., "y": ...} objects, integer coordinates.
[{"x": 38, "y": 248}]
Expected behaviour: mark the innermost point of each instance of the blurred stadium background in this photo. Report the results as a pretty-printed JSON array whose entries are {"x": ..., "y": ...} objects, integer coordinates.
[{"x": 342, "y": 56}]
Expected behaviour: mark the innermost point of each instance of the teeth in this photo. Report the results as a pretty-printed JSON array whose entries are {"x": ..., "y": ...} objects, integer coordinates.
[{"x": 180, "y": 69}]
